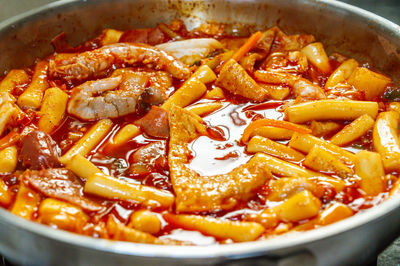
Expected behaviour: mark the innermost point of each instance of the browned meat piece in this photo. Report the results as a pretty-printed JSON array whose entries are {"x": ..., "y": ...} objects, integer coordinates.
[
  {"x": 155, "y": 123},
  {"x": 149, "y": 158},
  {"x": 151, "y": 96},
  {"x": 283, "y": 42},
  {"x": 143, "y": 78},
  {"x": 249, "y": 61},
  {"x": 150, "y": 36},
  {"x": 305, "y": 89},
  {"x": 293, "y": 62},
  {"x": 234, "y": 78},
  {"x": 150, "y": 86},
  {"x": 61, "y": 184},
  {"x": 267, "y": 39},
  {"x": 211, "y": 30},
  {"x": 195, "y": 193},
  {"x": 39, "y": 151},
  {"x": 302, "y": 88}
]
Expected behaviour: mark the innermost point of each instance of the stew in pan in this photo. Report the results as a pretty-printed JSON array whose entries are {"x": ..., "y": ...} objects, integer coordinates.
[{"x": 209, "y": 136}]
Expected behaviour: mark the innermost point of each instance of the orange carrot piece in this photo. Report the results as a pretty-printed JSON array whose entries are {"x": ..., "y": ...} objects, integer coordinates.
[
  {"x": 243, "y": 50},
  {"x": 10, "y": 139},
  {"x": 247, "y": 46},
  {"x": 273, "y": 123}
]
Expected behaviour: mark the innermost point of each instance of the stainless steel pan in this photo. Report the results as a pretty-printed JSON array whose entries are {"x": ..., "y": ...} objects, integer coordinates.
[{"x": 341, "y": 27}]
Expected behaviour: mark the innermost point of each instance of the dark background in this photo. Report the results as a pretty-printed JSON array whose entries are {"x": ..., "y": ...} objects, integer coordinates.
[{"x": 389, "y": 9}]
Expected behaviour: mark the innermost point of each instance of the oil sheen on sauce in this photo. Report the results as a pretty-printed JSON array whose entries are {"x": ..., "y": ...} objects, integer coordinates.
[{"x": 212, "y": 157}]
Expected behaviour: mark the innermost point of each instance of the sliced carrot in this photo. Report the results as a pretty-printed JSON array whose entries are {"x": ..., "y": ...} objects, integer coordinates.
[
  {"x": 247, "y": 46},
  {"x": 243, "y": 50},
  {"x": 273, "y": 123},
  {"x": 10, "y": 139}
]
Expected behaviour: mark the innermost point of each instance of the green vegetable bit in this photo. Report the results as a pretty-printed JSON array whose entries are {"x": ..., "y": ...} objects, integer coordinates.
[
  {"x": 197, "y": 63},
  {"x": 392, "y": 94},
  {"x": 357, "y": 146}
]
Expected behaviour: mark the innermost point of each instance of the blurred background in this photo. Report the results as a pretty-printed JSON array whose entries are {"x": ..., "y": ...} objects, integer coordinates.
[{"x": 389, "y": 9}]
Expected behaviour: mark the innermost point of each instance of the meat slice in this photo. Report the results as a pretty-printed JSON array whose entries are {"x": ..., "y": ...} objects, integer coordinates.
[
  {"x": 283, "y": 42},
  {"x": 195, "y": 193},
  {"x": 155, "y": 123},
  {"x": 302, "y": 88},
  {"x": 39, "y": 151},
  {"x": 234, "y": 78},
  {"x": 150, "y": 36},
  {"x": 149, "y": 158},
  {"x": 62, "y": 184},
  {"x": 267, "y": 39},
  {"x": 151, "y": 96}
]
